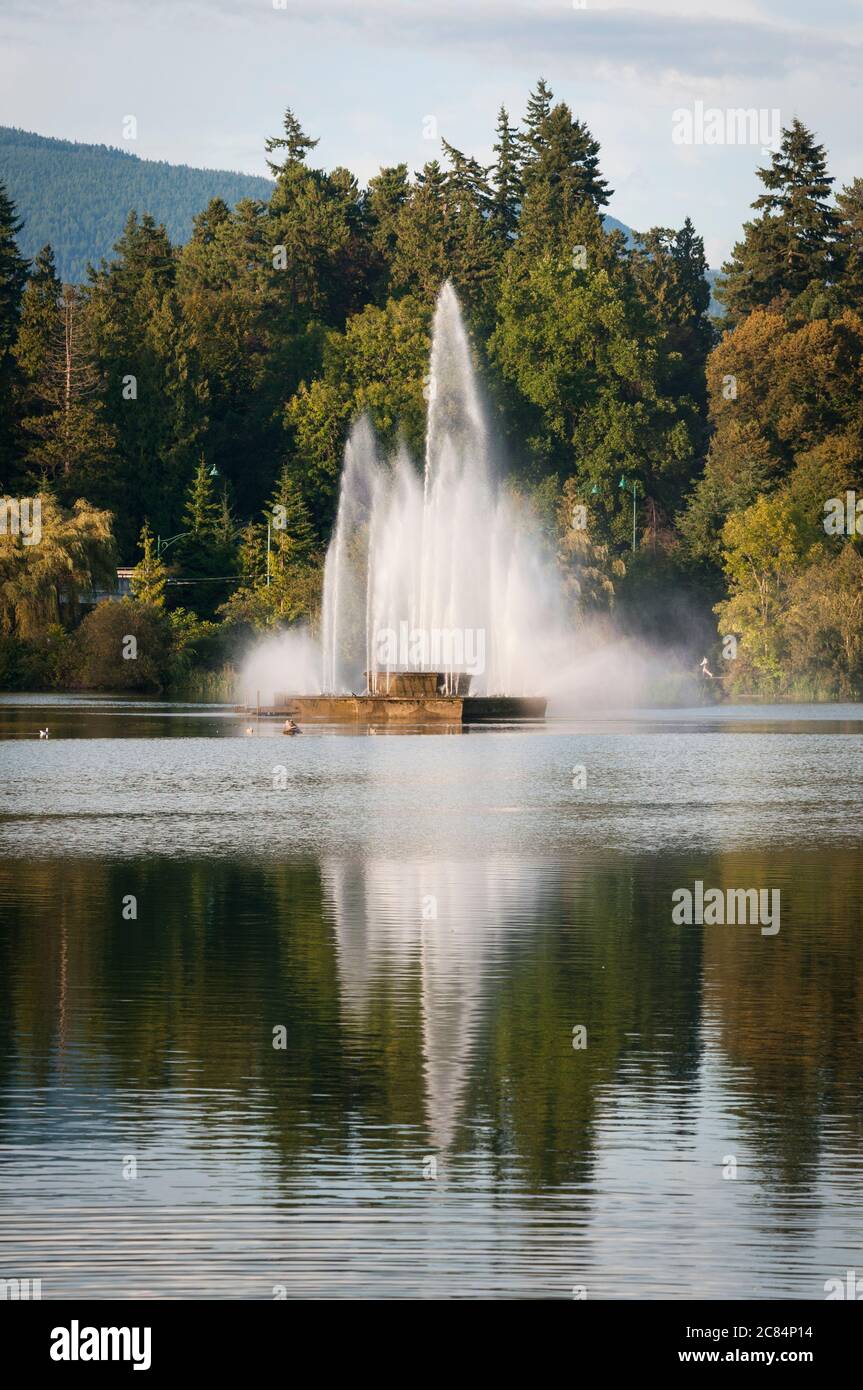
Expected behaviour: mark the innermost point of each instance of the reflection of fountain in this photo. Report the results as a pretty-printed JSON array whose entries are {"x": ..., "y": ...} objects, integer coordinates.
[
  {"x": 387, "y": 941},
  {"x": 433, "y": 575}
]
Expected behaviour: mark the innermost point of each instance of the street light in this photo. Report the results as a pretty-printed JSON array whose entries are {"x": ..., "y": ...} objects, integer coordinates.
[{"x": 163, "y": 545}]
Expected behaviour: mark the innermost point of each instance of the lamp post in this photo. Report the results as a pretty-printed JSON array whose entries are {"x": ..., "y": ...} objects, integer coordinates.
[{"x": 163, "y": 545}]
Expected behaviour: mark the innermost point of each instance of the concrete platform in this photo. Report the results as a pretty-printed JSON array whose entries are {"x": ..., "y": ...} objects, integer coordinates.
[{"x": 379, "y": 709}]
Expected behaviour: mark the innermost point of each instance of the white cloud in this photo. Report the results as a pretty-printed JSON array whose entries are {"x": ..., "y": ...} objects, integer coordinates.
[{"x": 209, "y": 80}]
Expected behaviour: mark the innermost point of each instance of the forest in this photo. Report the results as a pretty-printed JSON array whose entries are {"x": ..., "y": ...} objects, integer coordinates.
[
  {"x": 169, "y": 405},
  {"x": 76, "y": 196}
]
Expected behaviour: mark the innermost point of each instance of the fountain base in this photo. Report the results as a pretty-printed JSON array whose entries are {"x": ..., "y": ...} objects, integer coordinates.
[{"x": 383, "y": 709}]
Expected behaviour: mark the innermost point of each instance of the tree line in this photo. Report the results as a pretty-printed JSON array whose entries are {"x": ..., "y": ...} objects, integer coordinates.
[{"x": 192, "y": 402}]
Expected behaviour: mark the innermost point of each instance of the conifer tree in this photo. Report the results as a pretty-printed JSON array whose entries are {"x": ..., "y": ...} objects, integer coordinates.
[
  {"x": 13, "y": 271},
  {"x": 291, "y": 530},
  {"x": 466, "y": 180},
  {"x": 389, "y": 190},
  {"x": 508, "y": 188},
  {"x": 562, "y": 177},
  {"x": 295, "y": 142},
  {"x": 39, "y": 314},
  {"x": 70, "y": 372},
  {"x": 792, "y": 245},
  {"x": 13, "y": 277},
  {"x": 536, "y": 115},
  {"x": 150, "y": 575},
  {"x": 252, "y": 555},
  {"x": 850, "y": 244},
  {"x": 155, "y": 392},
  {"x": 421, "y": 259},
  {"x": 202, "y": 510},
  {"x": 64, "y": 433},
  {"x": 206, "y": 553},
  {"x": 225, "y": 528}
]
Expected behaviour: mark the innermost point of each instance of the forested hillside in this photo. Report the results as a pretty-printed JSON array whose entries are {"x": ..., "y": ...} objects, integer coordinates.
[
  {"x": 192, "y": 393},
  {"x": 77, "y": 197}
]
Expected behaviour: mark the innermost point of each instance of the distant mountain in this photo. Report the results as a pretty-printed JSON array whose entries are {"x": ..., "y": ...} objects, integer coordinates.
[
  {"x": 78, "y": 196},
  {"x": 612, "y": 225}
]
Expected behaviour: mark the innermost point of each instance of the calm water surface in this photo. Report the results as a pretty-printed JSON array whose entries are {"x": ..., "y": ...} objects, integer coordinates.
[{"x": 421, "y": 923}]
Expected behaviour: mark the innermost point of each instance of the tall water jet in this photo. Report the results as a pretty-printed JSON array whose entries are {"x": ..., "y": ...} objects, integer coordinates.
[
  {"x": 344, "y": 626},
  {"x": 439, "y": 577},
  {"x": 458, "y": 504}
]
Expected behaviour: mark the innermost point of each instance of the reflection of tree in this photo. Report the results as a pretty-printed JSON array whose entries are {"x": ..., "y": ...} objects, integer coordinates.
[
  {"x": 604, "y": 957},
  {"x": 413, "y": 1026},
  {"x": 458, "y": 1029},
  {"x": 790, "y": 1007}
]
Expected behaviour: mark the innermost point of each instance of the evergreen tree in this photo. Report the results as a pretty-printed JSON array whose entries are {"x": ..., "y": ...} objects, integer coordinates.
[
  {"x": 473, "y": 264},
  {"x": 150, "y": 575},
  {"x": 202, "y": 510},
  {"x": 536, "y": 116},
  {"x": 562, "y": 176},
  {"x": 206, "y": 553},
  {"x": 225, "y": 529},
  {"x": 280, "y": 584},
  {"x": 691, "y": 263},
  {"x": 39, "y": 315},
  {"x": 13, "y": 272},
  {"x": 388, "y": 192},
  {"x": 669, "y": 270},
  {"x": 422, "y": 253},
  {"x": 155, "y": 392},
  {"x": 466, "y": 181},
  {"x": 792, "y": 245},
  {"x": 204, "y": 264},
  {"x": 241, "y": 340},
  {"x": 320, "y": 229},
  {"x": 64, "y": 432},
  {"x": 850, "y": 243},
  {"x": 13, "y": 277},
  {"x": 442, "y": 234},
  {"x": 143, "y": 263},
  {"x": 508, "y": 188},
  {"x": 252, "y": 555},
  {"x": 292, "y": 535},
  {"x": 35, "y": 343},
  {"x": 692, "y": 336},
  {"x": 295, "y": 142}
]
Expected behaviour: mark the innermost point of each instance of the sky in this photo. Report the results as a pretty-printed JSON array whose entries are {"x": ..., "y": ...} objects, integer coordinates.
[{"x": 380, "y": 80}]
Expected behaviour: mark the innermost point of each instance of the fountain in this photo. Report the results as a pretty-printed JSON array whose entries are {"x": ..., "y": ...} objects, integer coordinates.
[{"x": 435, "y": 596}]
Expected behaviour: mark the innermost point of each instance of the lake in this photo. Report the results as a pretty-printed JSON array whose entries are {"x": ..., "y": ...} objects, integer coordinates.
[{"x": 364, "y": 1015}]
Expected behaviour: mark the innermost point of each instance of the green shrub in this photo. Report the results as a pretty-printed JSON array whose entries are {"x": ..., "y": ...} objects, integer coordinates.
[
  {"x": 36, "y": 663},
  {"x": 123, "y": 646}
]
